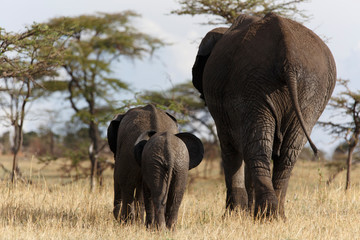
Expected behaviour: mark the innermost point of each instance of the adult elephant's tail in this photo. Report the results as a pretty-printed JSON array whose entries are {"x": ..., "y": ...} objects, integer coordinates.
[{"x": 291, "y": 80}]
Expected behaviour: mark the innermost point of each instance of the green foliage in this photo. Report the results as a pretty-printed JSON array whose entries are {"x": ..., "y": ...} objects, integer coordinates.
[
  {"x": 228, "y": 10},
  {"x": 25, "y": 58},
  {"x": 93, "y": 44},
  {"x": 54, "y": 85},
  {"x": 32, "y": 54}
]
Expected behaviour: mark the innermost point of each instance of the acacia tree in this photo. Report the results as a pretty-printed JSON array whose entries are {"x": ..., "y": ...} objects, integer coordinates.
[
  {"x": 347, "y": 105},
  {"x": 96, "y": 42},
  {"x": 228, "y": 10},
  {"x": 25, "y": 58}
]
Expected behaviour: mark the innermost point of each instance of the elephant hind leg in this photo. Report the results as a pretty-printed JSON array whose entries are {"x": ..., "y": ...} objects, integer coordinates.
[
  {"x": 283, "y": 166},
  {"x": 160, "y": 216},
  {"x": 159, "y": 211},
  {"x": 117, "y": 201},
  {"x": 257, "y": 155},
  {"x": 139, "y": 202},
  {"x": 158, "y": 189},
  {"x": 175, "y": 196},
  {"x": 149, "y": 207},
  {"x": 236, "y": 195},
  {"x": 127, "y": 208},
  {"x": 249, "y": 184}
]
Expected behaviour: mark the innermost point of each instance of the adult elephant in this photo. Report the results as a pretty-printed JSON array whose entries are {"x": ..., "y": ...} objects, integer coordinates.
[
  {"x": 122, "y": 134},
  {"x": 266, "y": 82},
  {"x": 165, "y": 160}
]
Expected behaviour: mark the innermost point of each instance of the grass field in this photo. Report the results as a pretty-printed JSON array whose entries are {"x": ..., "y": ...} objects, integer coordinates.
[{"x": 48, "y": 209}]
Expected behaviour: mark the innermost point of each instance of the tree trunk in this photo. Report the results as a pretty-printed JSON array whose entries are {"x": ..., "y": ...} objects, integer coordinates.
[
  {"x": 93, "y": 152},
  {"x": 93, "y": 160},
  {"x": 14, "y": 167},
  {"x": 348, "y": 163},
  {"x": 15, "y": 149},
  {"x": 353, "y": 143},
  {"x": 52, "y": 143}
]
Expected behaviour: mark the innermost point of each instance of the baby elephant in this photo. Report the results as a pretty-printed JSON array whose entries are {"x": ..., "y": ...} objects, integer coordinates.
[{"x": 165, "y": 159}]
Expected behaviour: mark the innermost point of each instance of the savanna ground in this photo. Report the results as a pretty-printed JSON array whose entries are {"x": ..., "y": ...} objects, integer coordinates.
[{"x": 53, "y": 208}]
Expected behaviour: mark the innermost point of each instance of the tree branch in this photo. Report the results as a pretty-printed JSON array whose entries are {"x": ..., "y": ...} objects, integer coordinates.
[{"x": 71, "y": 97}]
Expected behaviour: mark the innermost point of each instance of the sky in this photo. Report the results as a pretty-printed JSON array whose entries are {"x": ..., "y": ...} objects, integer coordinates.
[{"x": 336, "y": 22}]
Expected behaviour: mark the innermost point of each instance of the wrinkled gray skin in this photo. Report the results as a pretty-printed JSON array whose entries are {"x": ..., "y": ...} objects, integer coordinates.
[
  {"x": 266, "y": 82},
  {"x": 165, "y": 160},
  {"x": 123, "y": 132}
]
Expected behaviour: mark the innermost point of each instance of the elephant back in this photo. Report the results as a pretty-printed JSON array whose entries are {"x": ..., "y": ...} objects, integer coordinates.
[
  {"x": 272, "y": 45},
  {"x": 147, "y": 118}
]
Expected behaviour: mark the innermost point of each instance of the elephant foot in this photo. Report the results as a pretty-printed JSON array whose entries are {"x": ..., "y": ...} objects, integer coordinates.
[
  {"x": 237, "y": 199},
  {"x": 171, "y": 226},
  {"x": 161, "y": 227},
  {"x": 148, "y": 224},
  {"x": 127, "y": 217},
  {"x": 282, "y": 213},
  {"x": 116, "y": 212},
  {"x": 149, "y": 221},
  {"x": 266, "y": 208},
  {"x": 237, "y": 212}
]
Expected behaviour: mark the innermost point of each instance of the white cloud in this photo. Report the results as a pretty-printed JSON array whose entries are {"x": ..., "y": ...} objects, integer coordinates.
[{"x": 152, "y": 28}]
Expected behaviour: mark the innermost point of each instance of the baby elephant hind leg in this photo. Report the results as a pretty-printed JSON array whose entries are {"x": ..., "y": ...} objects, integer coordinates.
[
  {"x": 175, "y": 196},
  {"x": 158, "y": 199},
  {"x": 159, "y": 209},
  {"x": 149, "y": 207}
]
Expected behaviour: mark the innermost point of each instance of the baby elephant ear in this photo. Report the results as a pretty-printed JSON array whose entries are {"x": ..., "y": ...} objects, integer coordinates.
[
  {"x": 195, "y": 148},
  {"x": 140, "y": 144}
]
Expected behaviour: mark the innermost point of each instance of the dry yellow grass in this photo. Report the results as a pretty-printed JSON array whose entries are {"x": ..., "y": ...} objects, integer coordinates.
[{"x": 48, "y": 210}]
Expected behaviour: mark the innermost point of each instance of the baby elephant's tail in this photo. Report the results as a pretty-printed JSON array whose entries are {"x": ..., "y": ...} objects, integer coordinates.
[{"x": 170, "y": 167}]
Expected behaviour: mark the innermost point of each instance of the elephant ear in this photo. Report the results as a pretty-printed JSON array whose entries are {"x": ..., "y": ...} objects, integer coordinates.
[
  {"x": 195, "y": 148},
  {"x": 112, "y": 132},
  {"x": 140, "y": 144},
  {"x": 205, "y": 48}
]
